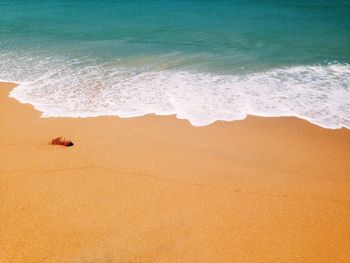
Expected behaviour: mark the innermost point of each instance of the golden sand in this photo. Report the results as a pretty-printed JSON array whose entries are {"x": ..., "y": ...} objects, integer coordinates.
[{"x": 156, "y": 189}]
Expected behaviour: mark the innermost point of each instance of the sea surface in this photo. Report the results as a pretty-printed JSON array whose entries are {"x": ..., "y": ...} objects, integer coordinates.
[{"x": 202, "y": 60}]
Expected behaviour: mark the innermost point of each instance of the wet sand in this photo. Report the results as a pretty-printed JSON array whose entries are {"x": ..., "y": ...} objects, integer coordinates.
[{"x": 156, "y": 189}]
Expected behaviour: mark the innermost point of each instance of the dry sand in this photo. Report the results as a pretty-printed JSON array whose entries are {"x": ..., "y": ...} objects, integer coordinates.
[{"x": 156, "y": 189}]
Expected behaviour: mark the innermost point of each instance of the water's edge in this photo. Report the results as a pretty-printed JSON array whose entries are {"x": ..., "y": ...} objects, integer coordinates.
[{"x": 17, "y": 84}]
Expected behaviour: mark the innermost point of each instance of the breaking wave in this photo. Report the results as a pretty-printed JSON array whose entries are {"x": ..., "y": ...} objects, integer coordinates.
[{"x": 67, "y": 87}]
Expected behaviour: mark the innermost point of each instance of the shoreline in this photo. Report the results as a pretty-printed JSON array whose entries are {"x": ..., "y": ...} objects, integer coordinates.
[
  {"x": 157, "y": 189},
  {"x": 254, "y": 115}
]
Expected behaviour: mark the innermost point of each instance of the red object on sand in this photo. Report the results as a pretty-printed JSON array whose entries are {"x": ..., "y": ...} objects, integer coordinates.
[{"x": 61, "y": 141}]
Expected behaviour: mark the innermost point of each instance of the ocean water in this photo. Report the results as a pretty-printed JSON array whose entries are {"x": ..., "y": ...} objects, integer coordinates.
[{"x": 202, "y": 60}]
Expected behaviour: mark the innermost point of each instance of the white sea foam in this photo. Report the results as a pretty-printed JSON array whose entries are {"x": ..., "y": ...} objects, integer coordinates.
[{"x": 65, "y": 87}]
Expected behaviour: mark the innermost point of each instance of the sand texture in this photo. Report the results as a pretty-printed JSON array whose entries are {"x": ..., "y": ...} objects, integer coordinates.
[{"x": 156, "y": 189}]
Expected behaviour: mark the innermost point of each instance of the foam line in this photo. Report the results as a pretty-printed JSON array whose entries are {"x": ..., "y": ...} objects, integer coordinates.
[{"x": 63, "y": 88}]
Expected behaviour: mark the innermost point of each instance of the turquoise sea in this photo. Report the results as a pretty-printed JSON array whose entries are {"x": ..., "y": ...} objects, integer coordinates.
[{"x": 202, "y": 60}]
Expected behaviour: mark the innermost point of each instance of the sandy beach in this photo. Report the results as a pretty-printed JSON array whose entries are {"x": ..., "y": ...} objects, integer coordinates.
[{"x": 156, "y": 189}]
